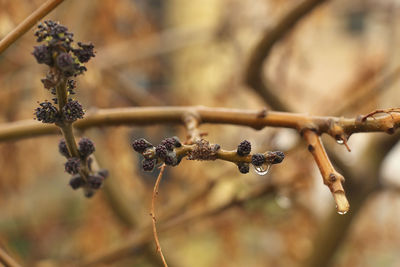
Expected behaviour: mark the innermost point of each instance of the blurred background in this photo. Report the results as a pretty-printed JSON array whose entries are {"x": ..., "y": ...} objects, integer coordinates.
[{"x": 341, "y": 59}]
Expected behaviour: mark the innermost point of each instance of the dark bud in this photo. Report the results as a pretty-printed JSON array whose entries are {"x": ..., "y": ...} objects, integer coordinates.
[
  {"x": 89, "y": 193},
  {"x": 95, "y": 181},
  {"x": 85, "y": 52},
  {"x": 169, "y": 143},
  {"x": 258, "y": 159},
  {"x": 42, "y": 53},
  {"x": 71, "y": 85},
  {"x": 275, "y": 157},
  {"x": 47, "y": 113},
  {"x": 171, "y": 159},
  {"x": 66, "y": 63},
  {"x": 161, "y": 151},
  {"x": 103, "y": 173},
  {"x": 244, "y": 167},
  {"x": 140, "y": 145},
  {"x": 148, "y": 164},
  {"x": 86, "y": 147},
  {"x": 177, "y": 142},
  {"x": 244, "y": 148},
  {"x": 76, "y": 182},
  {"x": 73, "y": 111},
  {"x": 63, "y": 149},
  {"x": 72, "y": 165}
]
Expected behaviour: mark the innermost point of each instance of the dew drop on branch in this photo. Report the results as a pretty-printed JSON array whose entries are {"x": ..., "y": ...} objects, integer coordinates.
[
  {"x": 339, "y": 141},
  {"x": 263, "y": 169}
]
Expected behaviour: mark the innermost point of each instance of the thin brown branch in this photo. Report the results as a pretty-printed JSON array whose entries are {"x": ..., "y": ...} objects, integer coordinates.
[
  {"x": 336, "y": 127},
  {"x": 153, "y": 214},
  {"x": 7, "y": 260},
  {"x": 25, "y": 25},
  {"x": 192, "y": 122},
  {"x": 254, "y": 70},
  {"x": 330, "y": 176}
]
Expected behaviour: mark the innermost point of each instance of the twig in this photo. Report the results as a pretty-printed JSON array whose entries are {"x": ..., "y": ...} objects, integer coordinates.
[
  {"x": 330, "y": 176},
  {"x": 153, "y": 214},
  {"x": 7, "y": 260},
  {"x": 254, "y": 70},
  {"x": 25, "y": 25},
  {"x": 192, "y": 122}
]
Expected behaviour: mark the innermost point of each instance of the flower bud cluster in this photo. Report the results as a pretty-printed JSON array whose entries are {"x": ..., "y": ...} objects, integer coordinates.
[{"x": 164, "y": 152}]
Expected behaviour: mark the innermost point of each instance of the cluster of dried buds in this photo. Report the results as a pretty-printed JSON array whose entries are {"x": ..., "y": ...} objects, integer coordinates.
[{"x": 171, "y": 151}]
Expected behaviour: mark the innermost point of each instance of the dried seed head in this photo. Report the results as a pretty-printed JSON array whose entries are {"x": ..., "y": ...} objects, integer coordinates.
[
  {"x": 63, "y": 149},
  {"x": 258, "y": 159},
  {"x": 86, "y": 147},
  {"x": 244, "y": 148},
  {"x": 72, "y": 165}
]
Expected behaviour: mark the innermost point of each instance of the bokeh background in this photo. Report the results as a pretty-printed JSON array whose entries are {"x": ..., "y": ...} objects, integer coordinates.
[{"x": 342, "y": 59}]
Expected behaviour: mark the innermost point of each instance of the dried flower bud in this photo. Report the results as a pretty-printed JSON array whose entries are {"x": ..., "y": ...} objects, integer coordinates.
[
  {"x": 275, "y": 157},
  {"x": 47, "y": 113},
  {"x": 171, "y": 159},
  {"x": 63, "y": 149},
  {"x": 244, "y": 167},
  {"x": 148, "y": 164},
  {"x": 73, "y": 111},
  {"x": 258, "y": 159},
  {"x": 76, "y": 182},
  {"x": 244, "y": 148},
  {"x": 140, "y": 145},
  {"x": 86, "y": 147},
  {"x": 72, "y": 165}
]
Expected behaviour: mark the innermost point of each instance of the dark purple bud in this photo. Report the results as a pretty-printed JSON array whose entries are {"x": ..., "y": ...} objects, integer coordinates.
[
  {"x": 86, "y": 147},
  {"x": 103, "y": 173},
  {"x": 47, "y": 113},
  {"x": 244, "y": 167},
  {"x": 65, "y": 62},
  {"x": 161, "y": 151},
  {"x": 141, "y": 145},
  {"x": 43, "y": 55},
  {"x": 72, "y": 165},
  {"x": 169, "y": 143},
  {"x": 171, "y": 159},
  {"x": 73, "y": 111},
  {"x": 95, "y": 181},
  {"x": 148, "y": 164},
  {"x": 258, "y": 159},
  {"x": 85, "y": 52},
  {"x": 63, "y": 149},
  {"x": 275, "y": 157},
  {"x": 244, "y": 148},
  {"x": 76, "y": 182}
]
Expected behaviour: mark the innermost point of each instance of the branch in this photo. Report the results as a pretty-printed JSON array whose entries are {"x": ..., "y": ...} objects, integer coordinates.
[
  {"x": 330, "y": 176},
  {"x": 339, "y": 128},
  {"x": 254, "y": 70},
  {"x": 7, "y": 260},
  {"x": 25, "y": 25}
]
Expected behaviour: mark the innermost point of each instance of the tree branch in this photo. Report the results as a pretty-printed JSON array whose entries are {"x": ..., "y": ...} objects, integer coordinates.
[{"x": 25, "y": 25}]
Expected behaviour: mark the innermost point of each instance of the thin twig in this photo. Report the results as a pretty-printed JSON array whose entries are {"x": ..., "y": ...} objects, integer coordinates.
[
  {"x": 7, "y": 260},
  {"x": 153, "y": 213},
  {"x": 25, "y": 25}
]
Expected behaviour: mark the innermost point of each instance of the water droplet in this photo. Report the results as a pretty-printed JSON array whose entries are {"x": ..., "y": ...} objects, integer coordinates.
[
  {"x": 263, "y": 169},
  {"x": 339, "y": 141},
  {"x": 283, "y": 201},
  {"x": 342, "y": 212}
]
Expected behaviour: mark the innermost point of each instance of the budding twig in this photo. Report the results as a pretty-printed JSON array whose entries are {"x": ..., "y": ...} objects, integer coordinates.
[{"x": 153, "y": 214}]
